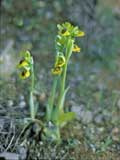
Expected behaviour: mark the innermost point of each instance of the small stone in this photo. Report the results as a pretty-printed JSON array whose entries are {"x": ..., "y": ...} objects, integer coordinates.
[
  {"x": 10, "y": 103},
  {"x": 93, "y": 147},
  {"x": 78, "y": 109},
  {"x": 62, "y": 151},
  {"x": 84, "y": 116},
  {"x": 41, "y": 143},
  {"x": 22, "y": 152},
  {"x": 98, "y": 119},
  {"x": 9, "y": 156},
  {"x": 87, "y": 116},
  {"x": 22, "y": 104},
  {"x": 21, "y": 97}
]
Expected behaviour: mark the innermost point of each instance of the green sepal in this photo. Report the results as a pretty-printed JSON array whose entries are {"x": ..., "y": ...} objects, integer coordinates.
[{"x": 27, "y": 56}]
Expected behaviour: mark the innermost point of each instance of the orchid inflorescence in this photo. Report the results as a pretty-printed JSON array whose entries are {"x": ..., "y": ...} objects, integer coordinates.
[
  {"x": 25, "y": 65},
  {"x": 65, "y": 31},
  {"x": 56, "y": 117}
]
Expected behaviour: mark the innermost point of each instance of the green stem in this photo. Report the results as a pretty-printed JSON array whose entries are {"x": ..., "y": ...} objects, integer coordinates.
[
  {"x": 32, "y": 107},
  {"x": 51, "y": 99},
  {"x": 63, "y": 78}
]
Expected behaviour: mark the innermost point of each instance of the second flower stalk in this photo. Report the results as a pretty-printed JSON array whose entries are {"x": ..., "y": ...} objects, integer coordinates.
[{"x": 26, "y": 66}]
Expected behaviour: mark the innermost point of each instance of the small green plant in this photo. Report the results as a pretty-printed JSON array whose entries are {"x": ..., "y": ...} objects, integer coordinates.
[
  {"x": 26, "y": 66},
  {"x": 56, "y": 117}
]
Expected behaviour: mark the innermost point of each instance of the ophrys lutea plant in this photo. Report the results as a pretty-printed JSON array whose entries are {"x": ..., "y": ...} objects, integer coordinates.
[{"x": 55, "y": 116}]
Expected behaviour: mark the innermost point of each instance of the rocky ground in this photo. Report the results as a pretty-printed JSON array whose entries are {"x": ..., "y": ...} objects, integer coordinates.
[{"x": 94, "y": 93}]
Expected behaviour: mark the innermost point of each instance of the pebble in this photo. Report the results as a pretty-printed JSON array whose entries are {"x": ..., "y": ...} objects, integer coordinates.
[
  {"x": 99, "y": 119},
  {"x": 78, "y": 110},
  {"x": 22, "y": 104},
  {"x": 10, "y": 103},
  {"x": 93, "y": 147},
  {"x": 22, "y": 152},
  {"x": 87, "y": 116},
  {"x": 9, "y": 156},
  {"x": 21, "y": 97},
  {"x": 84, "y": 115}
]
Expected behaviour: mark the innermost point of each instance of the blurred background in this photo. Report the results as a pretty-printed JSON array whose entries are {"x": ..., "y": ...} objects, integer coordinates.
[
  {"x": 93, "y": 74},
  {"x": 31, "y": 25}
]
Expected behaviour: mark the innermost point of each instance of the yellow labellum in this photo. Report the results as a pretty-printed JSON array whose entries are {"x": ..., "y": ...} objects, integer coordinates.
[
  {"x": 80, "y": 34},
  {"x": 25, "y": 74},
  {"x": 76, "y": 48},
  {"x": 64, "y": 32},
  {"x": 60, "y": 61},
  {"x": 56, "y": 70},
  {"x": 22, "y": 63}
]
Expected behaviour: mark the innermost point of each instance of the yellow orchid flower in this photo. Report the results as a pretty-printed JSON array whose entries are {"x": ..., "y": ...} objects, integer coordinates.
[
  {"x": 25, "y": 74},
  {"x": 76, "y": 48},
  {"x": 23, "y": 63},
  {"x": 57, "y": 70},
  {"x": 80, "y": 34},
  {"x": 60, "y": 61},
  {"x": 65, "y": 32}
]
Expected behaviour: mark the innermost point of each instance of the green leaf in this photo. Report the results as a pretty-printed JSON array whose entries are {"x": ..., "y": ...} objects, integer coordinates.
[
  {"x": 65, "y": 117},
  {"x": 36, "y": 107},
  {"x": 51, "y": 100},
  {"x": 54, "y": 114},
  {"x": 63, "y": 98}
]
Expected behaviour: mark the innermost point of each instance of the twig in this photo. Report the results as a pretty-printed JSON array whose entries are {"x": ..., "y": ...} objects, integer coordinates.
[{"x": 11, "y": 138}]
